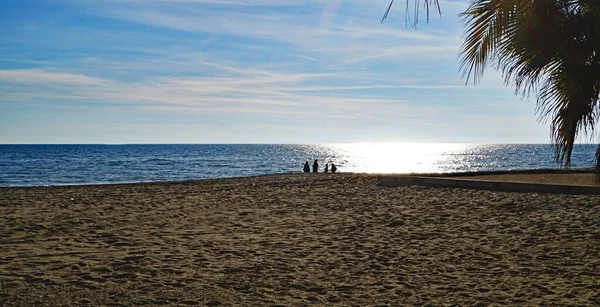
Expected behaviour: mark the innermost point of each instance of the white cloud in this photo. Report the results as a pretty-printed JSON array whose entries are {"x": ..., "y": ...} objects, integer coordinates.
[
  {"x": 270, "y": 92},
  {"x": 37, "y": 76},
  {"x": 224, "y": 2},
  {"x": 90, "y": 60},
  {"x": 320, "y": 34}
]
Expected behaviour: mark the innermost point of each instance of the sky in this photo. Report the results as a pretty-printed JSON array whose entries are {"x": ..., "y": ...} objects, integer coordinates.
[{"x": 246, "y": 71}]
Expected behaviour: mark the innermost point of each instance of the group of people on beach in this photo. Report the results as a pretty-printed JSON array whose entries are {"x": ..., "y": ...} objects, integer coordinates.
[{"x": 315, "y": 167}]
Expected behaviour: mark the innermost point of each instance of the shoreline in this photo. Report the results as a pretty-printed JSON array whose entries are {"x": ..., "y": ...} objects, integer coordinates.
[
  {"x": 448, "y": 174},
  {"x": 296, "y": 240}
]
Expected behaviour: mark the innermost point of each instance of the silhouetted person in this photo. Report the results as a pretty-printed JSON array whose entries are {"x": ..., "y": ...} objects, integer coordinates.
[
  {"x": 333, "y": 168},
  {"x": 306, "y": 167},
  {"x": 326, "y": 167},
  {"x": 316, "y": 166}
]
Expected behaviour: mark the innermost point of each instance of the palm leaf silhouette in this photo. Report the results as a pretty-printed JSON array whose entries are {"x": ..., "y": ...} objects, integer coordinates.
[{"x": 546, "y": 48}]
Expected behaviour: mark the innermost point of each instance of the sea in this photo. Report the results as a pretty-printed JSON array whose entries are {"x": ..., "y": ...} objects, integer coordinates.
[{"x": 49, "y": 165}]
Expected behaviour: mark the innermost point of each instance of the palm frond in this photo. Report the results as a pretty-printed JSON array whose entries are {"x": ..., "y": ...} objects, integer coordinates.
[
  {"x": 571, "y": 96},
  {"x": 387, "y": 11},
  {"x": 426, "y": 4},
  {"x": 490, "y": 24}
]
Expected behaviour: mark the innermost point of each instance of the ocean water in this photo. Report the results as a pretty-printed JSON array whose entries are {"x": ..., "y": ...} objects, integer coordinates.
[{"x": 39, "y": 165}]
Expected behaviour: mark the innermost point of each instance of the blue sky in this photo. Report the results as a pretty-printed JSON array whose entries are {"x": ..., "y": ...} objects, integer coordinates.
[{"x": 245, "y": 71}]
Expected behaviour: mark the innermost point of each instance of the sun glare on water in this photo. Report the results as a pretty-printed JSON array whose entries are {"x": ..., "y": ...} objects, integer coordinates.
[{"x": 395, "y": 157}]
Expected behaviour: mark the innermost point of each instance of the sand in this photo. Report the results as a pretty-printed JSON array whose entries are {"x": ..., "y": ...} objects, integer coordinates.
[
  {"x": 580, "y": 179},
  {"x": 296, "y": 240}
]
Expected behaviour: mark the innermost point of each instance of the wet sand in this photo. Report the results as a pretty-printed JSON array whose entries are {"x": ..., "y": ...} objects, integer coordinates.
[{"x": 296, "y": 240}]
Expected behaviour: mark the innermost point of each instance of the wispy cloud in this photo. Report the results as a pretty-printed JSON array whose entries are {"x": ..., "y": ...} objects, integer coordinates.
[
  {"x": 90, "y": 60},
  {"x": 307, "y": 57},
  {"x": 338, "y": 40},
  {"x": 269, "y": 3},
  {"x": 245, "y": 92},
  {"x": 37, "y": 76}
]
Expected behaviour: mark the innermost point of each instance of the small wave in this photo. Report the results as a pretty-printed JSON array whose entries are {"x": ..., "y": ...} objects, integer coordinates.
[{"x": 158, "y": 161}]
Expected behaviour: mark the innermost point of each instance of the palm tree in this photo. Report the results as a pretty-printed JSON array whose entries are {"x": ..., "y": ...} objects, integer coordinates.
[
  {"x": 549, "y": 48},
  {"x": 546, "y": 48}
]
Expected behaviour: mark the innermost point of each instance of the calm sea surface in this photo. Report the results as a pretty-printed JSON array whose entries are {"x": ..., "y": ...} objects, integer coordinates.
[{"x": 36, "y": 165}]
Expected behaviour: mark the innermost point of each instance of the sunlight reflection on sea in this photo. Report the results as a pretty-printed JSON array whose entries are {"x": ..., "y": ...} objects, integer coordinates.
[
  {"x": 436, "y": 157},
  {"x": 396, "y": 158}
]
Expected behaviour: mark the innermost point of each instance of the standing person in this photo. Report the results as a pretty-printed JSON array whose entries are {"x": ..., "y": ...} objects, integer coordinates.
[
  {"x": 326, "y": 167},
  {"x": 333, "y": 168},
  {"x": 316, "y": 166},
  {"x": 306, "y": 167}
]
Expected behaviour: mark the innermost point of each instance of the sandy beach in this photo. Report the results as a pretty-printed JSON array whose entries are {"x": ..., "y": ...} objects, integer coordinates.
[{"x": 296, "y": 240}]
